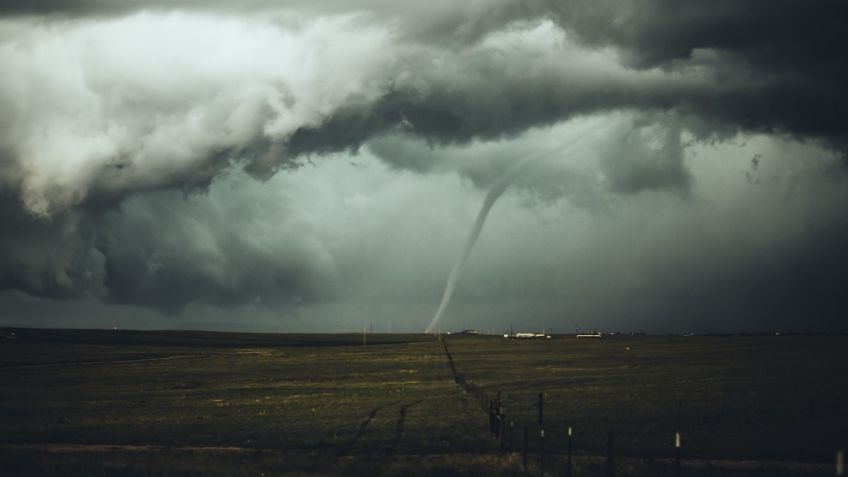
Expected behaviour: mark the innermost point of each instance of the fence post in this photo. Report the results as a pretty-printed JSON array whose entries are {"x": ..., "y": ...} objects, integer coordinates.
[
  {"x": 501, "y": 429},
  {"x": 611, "y": 453},
  {"x": 511, "y": 425},
  {"x": 541, "y": 436},
  {"x": 840, "y": 462},
  {"x": 677, "y": 454},
  {"x": 524, "y": 453},
  {"x": 568, "y": 460}
]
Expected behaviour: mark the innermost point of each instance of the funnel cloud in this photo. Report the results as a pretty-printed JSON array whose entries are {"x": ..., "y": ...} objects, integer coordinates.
[{"x": 495, "y": 191}]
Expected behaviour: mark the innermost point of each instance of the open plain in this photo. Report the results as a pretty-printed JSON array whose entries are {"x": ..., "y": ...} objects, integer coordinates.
[{"x": 196, "y": 403}]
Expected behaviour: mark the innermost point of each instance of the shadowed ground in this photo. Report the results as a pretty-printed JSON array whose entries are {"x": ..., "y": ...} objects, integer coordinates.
[{"x": 125, "y": 403}]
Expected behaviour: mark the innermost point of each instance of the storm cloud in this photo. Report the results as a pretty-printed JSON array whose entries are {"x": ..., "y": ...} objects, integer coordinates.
[{"x": 163, "y": 154}]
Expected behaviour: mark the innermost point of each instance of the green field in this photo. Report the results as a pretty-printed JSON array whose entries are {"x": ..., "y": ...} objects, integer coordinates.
[{"x": 193, "y": 403}]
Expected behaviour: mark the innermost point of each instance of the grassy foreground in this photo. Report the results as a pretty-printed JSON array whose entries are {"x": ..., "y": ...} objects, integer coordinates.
[
  {"x": 771, "y": 398},
  {"x": 186, "y": 403}
]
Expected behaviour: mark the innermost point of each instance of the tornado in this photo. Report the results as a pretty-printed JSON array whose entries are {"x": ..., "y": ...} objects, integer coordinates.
[
  {"x": 495, "y": 191},
  {"x": 492, "y": 196}
]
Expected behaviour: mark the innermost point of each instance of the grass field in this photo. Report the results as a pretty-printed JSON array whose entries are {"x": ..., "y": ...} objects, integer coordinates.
[
  {"x": 781, "y": 398},
  {"x": 191, "y": 403}
]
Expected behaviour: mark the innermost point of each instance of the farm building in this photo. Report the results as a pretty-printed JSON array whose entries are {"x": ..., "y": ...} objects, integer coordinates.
[
  {"x": 513, "y": 336},
  {"x": 590, "y": 336}
]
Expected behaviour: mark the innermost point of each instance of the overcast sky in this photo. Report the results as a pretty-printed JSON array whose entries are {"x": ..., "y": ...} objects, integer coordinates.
[{"x": 318, "y": 166}]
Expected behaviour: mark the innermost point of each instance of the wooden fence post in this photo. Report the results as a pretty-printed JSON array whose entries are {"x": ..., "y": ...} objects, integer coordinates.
[
  {"x": 501, "y": 429},
  {"x": 677, "y": 451},
  {"x": 541, "y": 436},
  {"x": 568, "y": 460}
]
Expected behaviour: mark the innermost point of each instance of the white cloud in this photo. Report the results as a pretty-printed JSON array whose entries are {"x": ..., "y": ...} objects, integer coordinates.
[{"x": 160, "y": 95}]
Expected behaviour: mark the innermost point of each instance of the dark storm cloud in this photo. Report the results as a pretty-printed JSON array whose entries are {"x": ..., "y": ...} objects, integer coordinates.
[
  {"x": 793, "y": 282},
  {"x": 754, "y": 66},
  {"x": 632, "y": 164},
  {"x": 772, "y": 65},
  {"x": 109, "y": 102},
  {"x": 802, "y": 287},
  {"x": 203, "y": 258},
  {"x": 783, "y": 50},
  {"x": 722, "y": 67},
  {"x": 166, "y": 249},
  {"x": 48, "y": 257},
  {"x": 774, "y": 35}
]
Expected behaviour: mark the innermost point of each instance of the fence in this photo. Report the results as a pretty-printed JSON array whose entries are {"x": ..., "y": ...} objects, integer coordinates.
[{"x": 504, "y": 431}]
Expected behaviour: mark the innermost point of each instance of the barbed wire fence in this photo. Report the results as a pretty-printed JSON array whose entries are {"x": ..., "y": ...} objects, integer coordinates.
[{"x": 512, "y": 435}]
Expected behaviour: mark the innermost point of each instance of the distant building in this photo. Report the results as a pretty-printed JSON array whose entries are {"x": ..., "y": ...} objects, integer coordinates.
[
  {"x": 524, "y": 336},
  {"x": 597, "y": 335}
]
